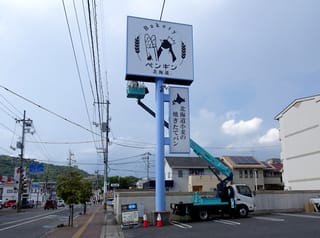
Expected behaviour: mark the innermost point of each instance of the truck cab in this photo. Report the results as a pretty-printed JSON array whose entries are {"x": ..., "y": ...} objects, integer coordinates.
[{"x": 243, "y": 199}]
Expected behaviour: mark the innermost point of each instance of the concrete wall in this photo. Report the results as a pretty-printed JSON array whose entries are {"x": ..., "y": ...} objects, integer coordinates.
[{"x": 266, "y": 201}]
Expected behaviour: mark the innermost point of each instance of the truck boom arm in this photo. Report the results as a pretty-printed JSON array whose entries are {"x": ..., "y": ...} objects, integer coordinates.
[{"x": 214, "y": 161}]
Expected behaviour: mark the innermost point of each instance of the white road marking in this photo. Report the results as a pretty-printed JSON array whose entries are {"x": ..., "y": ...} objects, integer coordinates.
[
  {"x": 228, "y": 222},
  {"x": 41, "y": 215},
  {"x": 22, "y": 223},
  {"x": 268, "y": 218},
  {"x": 181, "y": 225},
  {"x": 30, "y": 219},
  {"x": 298, "y": 215}
]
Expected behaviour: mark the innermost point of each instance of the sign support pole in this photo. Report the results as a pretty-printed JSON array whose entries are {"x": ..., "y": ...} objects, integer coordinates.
[{"x": 160, "y": 182}]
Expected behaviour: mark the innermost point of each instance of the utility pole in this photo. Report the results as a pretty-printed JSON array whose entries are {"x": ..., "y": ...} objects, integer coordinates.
[
  {"x": 105, "y": 128},
  {"x": 70, "y": 159},
  {"x": 106, "y": 158},
  {"x": 26, "y": 124},
  {"x": 146, "y": 157}
]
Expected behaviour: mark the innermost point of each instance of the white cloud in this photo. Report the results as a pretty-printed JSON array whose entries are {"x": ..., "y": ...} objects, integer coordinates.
[
  {"x": 231, "y": 127},
  {"x": 271, "y": 136},
  {"x": 203, "y": 126}
]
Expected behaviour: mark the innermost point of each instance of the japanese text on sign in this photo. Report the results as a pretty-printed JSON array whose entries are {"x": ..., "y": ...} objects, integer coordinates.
[{"x": 179, "y": 120}]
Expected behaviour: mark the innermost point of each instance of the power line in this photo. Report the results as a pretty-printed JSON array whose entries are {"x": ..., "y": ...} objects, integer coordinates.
[
  {"x": 82, "y": 45},
  {"x": 77, "y": 64},
  {"x": 61, "y": 143},
  {"x": 4, "y": 126},
  {"x": 8, "y": 114},
  {"x": 133, "y": 141},
  {"x": 87, "y": 68},
  {"x": 94, "y": 62},
  {"x": 97, "y": 48},
  {"x": 43, "y": 148},
  {"x": 164, "y": 1},
  {"x": 242, "y": 147},
  {"x": 125, "y": 158},
  {"x": 132, "y": 171},
  {"x": 7, "y": 151},
  {"x": 65, "y": 163},
  {"x": 14, "y": 114},
  {"x": 132, "y": 162},
  {"x": 87, "y": 30},
  {"x": 134, "y": 146},
  {"x": 47, "y": 110}
]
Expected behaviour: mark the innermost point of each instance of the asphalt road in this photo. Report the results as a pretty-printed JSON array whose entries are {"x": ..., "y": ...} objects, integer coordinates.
[
  {"x": 261, "y": 226},
  {"x": 31, "y": 223}
]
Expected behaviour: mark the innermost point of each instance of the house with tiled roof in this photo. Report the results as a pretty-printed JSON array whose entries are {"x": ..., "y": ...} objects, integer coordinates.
[
  {"x": 246, "y": 170},
  {"x": 273, "y": 174},
  {"x": 190, "y": 174}
]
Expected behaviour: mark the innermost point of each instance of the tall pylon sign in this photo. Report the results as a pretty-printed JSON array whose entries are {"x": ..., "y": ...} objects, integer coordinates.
[
  {"x": 159, "y": 49},
  {"x": 161, "y": 52}
]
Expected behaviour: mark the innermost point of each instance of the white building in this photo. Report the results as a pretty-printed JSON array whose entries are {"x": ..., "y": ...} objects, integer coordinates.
[
  {"x": 7, "y": 192},
  {"x": 190, "y": 174},
  {"x": 300, "y": 143}
]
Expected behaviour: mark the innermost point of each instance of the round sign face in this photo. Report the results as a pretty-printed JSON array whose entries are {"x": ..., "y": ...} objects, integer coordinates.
[{"x": 159, "y": 49}]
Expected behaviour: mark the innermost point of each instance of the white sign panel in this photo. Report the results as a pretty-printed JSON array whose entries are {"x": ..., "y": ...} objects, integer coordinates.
[
  {"x": 179, "y": 120},
  {"x": 130, "y": 218},
  {"x": 159, "y": 49}
]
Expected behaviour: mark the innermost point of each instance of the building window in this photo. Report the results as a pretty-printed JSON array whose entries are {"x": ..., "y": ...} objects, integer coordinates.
[
  {"x": 169, "y": 175},
  {"x": 196, "y": 171},
  {"x": 180, "y": 173},
  {"x": 241, "y": 173},
  {"x": 251, "y": 174},
  {"x": 246, "y": 173}
]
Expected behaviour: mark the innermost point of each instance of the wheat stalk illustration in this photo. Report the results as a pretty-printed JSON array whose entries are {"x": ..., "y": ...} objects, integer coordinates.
[
  {"x": 183, "y": 50},
  {"x": 137, "y": 44}
]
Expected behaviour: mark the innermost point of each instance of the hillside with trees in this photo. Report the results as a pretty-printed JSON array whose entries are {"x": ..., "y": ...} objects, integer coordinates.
[{"x": 51, "y": 172}]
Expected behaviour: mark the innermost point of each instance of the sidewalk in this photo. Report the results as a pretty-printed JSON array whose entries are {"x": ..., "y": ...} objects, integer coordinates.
[{"x": 97, "y": 223}]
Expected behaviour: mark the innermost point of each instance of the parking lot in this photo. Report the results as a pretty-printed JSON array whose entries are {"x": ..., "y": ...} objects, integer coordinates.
[{"x": 293, "y": 225}]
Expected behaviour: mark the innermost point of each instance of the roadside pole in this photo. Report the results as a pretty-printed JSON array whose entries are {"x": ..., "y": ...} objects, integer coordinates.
[
  {"x": 25, "y": 123},
  {"x": 160, "y": 183}
]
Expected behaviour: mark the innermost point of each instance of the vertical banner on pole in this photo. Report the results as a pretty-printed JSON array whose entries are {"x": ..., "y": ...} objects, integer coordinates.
[{"x": 179, "y": 120}]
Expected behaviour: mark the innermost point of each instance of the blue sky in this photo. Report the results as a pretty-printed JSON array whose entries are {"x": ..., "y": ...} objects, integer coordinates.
[{"x": 251, "y": 59}]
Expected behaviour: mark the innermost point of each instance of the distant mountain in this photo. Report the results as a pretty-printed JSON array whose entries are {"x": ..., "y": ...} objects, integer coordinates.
[{"x": 51, "y": 172}]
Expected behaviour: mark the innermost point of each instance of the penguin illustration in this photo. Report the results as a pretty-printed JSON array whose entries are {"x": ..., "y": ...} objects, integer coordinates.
[{"x": 167, "y": 44}]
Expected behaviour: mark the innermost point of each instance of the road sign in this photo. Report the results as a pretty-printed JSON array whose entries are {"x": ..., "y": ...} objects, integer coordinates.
[{"x": 36, "y": 168}]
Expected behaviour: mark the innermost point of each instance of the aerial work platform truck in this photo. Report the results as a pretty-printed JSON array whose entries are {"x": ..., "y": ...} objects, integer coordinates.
[{"x": 235, "y": 200}]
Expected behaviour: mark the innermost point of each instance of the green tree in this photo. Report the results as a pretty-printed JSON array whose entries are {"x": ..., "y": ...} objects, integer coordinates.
[
  {"x": 124, "y": 182},
  {"x": 68, "y": 189},
  {"x": 85, "y": 193}
]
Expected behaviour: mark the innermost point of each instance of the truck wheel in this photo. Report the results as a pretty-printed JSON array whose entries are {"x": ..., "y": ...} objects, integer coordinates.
[
  {"x": 203, "y": 214},
  {"x": 243, "y": 211}
]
